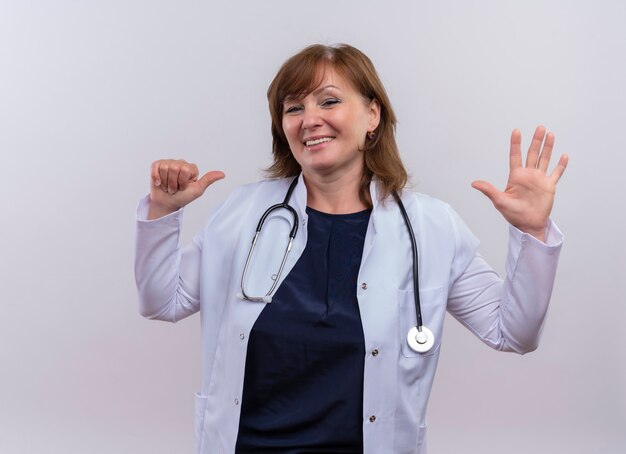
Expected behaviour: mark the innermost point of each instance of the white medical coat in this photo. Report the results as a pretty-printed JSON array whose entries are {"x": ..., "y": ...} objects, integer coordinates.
[{"x": 205, "y": 276}]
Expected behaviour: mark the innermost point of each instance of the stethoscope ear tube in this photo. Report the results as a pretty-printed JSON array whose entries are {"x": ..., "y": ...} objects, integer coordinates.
[{"x": 292, "y": 234}]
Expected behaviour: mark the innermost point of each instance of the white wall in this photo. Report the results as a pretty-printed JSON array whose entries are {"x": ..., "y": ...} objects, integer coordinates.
[{"x": 91, "y": 92}]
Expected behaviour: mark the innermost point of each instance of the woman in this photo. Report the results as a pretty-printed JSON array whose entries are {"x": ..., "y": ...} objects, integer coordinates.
[{"x": 326, "y": 366}]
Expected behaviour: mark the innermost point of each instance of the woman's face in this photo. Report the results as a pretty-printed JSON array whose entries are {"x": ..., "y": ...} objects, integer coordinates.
[{"x": 327, "y": 128}]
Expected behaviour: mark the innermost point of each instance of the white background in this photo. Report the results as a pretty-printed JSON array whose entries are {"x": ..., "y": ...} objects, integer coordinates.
[{"x": 91, "y": 92}]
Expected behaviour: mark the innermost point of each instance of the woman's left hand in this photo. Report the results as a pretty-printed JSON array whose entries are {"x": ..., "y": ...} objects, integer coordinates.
[{"x": 527, "y": 200}]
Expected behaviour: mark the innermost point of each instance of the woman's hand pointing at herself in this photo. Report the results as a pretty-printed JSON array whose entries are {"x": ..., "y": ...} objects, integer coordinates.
[
  {"x": 527, "y": 201},
  {"x": 174, "y": 184}
]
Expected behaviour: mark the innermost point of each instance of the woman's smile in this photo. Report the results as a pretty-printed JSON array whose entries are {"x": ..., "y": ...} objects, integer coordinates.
[{"x": 312, "y": 142}]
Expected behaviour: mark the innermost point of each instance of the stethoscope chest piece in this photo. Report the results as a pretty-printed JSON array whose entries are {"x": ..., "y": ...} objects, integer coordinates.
[{"x": 420, "y": 341}]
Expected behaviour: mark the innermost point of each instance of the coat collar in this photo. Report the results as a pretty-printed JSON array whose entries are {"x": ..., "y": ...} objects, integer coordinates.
[
  {"x": 299, "y": 202},
  {"x": 299, "y": 197}
]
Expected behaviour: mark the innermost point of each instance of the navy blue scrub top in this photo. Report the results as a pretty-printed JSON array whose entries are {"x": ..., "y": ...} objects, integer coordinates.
[{"x": 303, "y": 385}]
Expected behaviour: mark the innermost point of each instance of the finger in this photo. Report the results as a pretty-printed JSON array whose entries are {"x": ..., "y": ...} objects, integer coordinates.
[
  {"x": 163, "y": 173},
  {"x": 515, "y": 155},
  {"x": 486, "y": 188},
  {"x": 172, "y": 177},
  {"x": 546, "y": 152},
  {"x": 559, "y": 170},
  {"x": 188, "y": 173},
  {"x": 154, "y": 174},
  {"x": 209, "y": 178},
  {"x": 535, "y": 145}
]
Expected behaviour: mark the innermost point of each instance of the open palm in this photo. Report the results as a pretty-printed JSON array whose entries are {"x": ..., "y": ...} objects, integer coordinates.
[{"x": 527, "y": 200}]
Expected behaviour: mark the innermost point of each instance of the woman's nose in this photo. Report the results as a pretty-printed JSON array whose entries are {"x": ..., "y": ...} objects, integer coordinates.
[{"x": 311, "y": 118}]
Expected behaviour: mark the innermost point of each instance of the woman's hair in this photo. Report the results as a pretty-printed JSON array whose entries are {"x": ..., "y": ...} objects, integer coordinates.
[{"x": 302, "y": 74}]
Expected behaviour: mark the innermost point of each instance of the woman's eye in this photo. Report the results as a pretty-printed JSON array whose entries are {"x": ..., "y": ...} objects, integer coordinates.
[
  {"x": 293, "y": 109},
  {"x": 330, "y": 102}
]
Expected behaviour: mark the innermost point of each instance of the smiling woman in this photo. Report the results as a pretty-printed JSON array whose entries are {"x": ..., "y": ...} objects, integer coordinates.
[
  {"x": 326, "y": 131},
  {"x": 341, "y": 360},
  {"x": 327, "y": 76}
]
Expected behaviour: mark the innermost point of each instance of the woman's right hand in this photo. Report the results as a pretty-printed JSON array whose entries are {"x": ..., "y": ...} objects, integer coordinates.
[{"x": 174, "y": 184}]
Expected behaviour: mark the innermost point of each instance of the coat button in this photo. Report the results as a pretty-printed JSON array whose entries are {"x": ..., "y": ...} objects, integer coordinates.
[
  {"x": 372, "y": 418},
  {"x": 364, "y": 285},
  {"x": 242, "y": 336},
  {"x": 375, "y": 352},
  {"x": 236, "y": 401}
]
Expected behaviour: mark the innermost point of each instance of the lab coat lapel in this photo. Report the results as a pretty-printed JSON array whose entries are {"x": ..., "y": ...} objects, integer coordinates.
[{"x": 371, "y": 229}]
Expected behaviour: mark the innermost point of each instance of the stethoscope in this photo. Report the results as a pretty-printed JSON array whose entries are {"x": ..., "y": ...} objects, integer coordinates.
[{"x": 419, "y": 337}]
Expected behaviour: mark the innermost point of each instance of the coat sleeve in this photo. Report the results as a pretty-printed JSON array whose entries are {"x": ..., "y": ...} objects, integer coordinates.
[
  {"x": 167, "y": 276},
  {"x": 507, "y": 314}
]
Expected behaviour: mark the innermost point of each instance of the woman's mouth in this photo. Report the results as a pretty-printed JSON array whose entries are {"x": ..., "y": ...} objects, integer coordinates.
[{"x": 313, "y": 142}]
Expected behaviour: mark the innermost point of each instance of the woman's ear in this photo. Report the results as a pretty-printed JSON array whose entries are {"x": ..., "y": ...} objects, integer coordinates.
[{"x": 374, "y": 110}]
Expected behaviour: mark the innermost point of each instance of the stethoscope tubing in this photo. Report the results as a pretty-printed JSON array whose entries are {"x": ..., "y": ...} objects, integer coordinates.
[
  {"x": 419, "y": 337},
  {"x": 416, "y": 293},
  {"x": 292, "y": 234}
]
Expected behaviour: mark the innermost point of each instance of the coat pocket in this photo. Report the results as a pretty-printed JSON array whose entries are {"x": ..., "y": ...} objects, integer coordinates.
[
  {"x": 433, "y": 307},
  {"x": 200, "y": 410}
]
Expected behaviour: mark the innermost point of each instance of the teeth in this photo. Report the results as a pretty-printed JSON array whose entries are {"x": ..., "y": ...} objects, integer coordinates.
[{"x": 310, "y": 143}]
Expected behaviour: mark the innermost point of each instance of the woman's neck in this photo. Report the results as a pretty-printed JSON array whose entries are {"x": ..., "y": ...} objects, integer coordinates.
[{"x": 334, "y": 195}]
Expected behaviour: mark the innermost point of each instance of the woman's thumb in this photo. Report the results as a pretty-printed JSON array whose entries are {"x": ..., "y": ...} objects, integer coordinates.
[
  {"x": 209, "y": 178},
  {"x": 486, "y": 188}
]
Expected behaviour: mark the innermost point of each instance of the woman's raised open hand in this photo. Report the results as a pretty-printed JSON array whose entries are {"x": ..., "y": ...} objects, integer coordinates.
[
  {"x": 175, "y": 183},
  {"x": 527, "y": 200}
]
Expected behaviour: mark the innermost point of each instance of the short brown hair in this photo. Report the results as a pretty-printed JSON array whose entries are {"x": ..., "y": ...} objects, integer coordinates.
[{"x": 300, "y": 75}]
